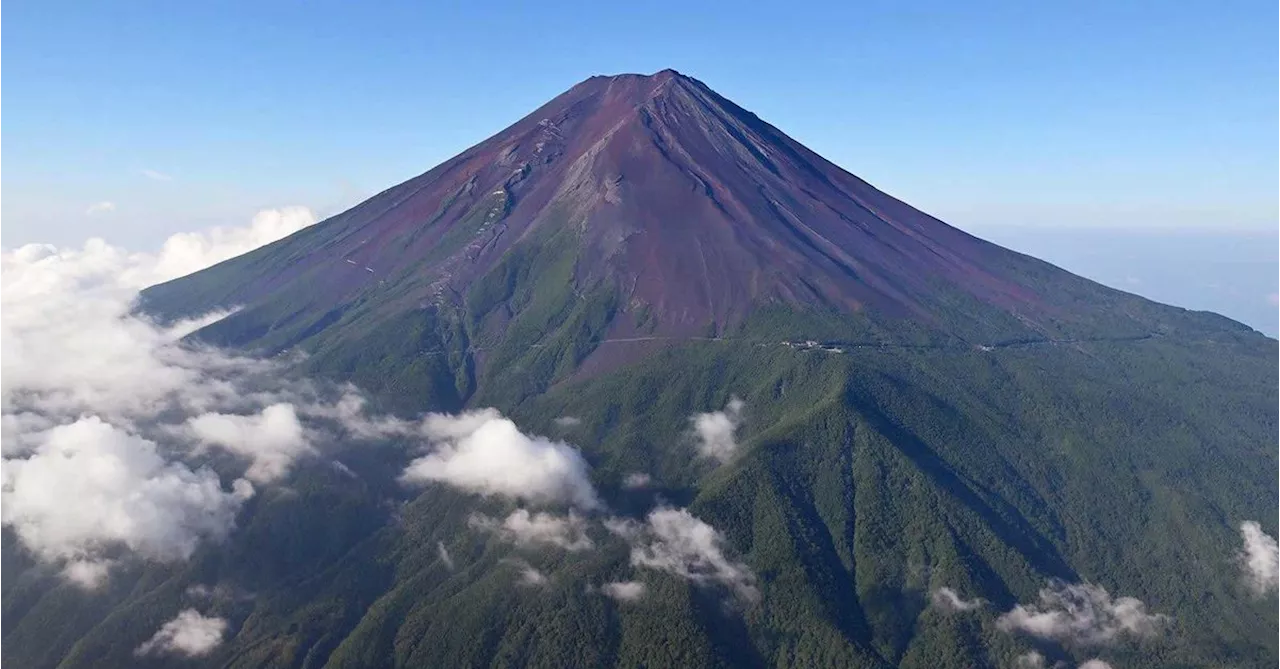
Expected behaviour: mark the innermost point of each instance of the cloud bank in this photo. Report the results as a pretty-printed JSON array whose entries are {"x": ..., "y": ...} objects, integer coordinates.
[
  {"x": 1082, "y": 614},
  {"x": 96, "y": 400},
  {"x": 715, "y": 431},
  {"x": 1260, "y": 558},
  {"x": 483, "y": 452}
]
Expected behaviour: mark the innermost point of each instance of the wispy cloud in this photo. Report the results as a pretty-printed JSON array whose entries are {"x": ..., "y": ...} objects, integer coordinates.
[
  {"x": 1082, "y": 614},
  {"x": 538, "y": 529},
  {"x": 190, "y": 634},
  {"x": 1260, "y": 558},
  {"x": 103, "y": 207},
  {"x": 445, "y": 558},
  {"x": 946, "y": 599},
  {"x": 675, "y": 541},
  {"x": 156, "y": 176},
  {"x": 636, "y": 481},
  {"x": 715, "y": 431},
  {"x": 528, "y": 575},
  {"x": 624, "y": 591}
]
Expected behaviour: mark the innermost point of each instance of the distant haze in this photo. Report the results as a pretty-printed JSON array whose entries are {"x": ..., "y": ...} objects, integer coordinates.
[{"x": 1233, "y": 273}]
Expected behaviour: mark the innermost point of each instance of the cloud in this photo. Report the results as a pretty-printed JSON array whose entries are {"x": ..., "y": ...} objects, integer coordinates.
[
  {"x": 272, "y": 439},
  {"x": 624, "y": 591},
  {"x": 88, "y": 574},
  {"x": 104, "y": 207},
  {"x": 445, "y": 558},
  {"x": 484, "y": 453},
  {"x": 156, "y": 176},
  {"x": 568, "y": 421},
  {"x": 539, "y": 529},
  {"x": 636, "y": 480},
  {"x": 189, "y": 634},
  {"x": 1082, "y": 614},
  {"x": 90, "y": 487},
  {"x": 674, "y": 541},
  {"x": 714, "y": 431},
  {"x": 187, "y": 252},
  {"x": 94, "y": 397},
  {"x": 529, "y": 576},
  {"x": 948, "y": 600},
  {"x": 1029, "y": 660},
  {"x": 1095, "y": 664},
  {"x": 1260, "y": 558}
]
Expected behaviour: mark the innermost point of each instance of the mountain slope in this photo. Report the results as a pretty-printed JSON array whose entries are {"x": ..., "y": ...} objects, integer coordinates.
[{"x": 923, "y": 410}]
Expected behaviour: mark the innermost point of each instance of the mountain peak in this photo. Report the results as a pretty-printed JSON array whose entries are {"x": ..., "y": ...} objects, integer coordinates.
[{"x": 681, "y": 212}]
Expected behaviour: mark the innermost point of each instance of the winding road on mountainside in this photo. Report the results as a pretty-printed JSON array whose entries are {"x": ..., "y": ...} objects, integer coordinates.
[{"x": 838, "y": 348}]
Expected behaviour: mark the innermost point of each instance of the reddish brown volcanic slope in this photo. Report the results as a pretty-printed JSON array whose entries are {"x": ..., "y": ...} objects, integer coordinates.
[{"x": 687, "y": 207}]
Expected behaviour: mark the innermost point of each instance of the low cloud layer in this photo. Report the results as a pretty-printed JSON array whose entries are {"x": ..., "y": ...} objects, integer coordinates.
[
  {"x": 96, "y": 402},
  {"x": 538, "y": 529},
  {"x": 483, "y": 452},
  {"x": 1082, "y": 614},
  {"x": 1260, "y": 558},
  {"x": 90, "y": 486},
  {"x": 271, "y": 439},
  {"x": 946, "y": 599},
  {"x": 715, "y": 431},
  {"x": 190, "y": 634},
  {"x": 674, "y": 541}
]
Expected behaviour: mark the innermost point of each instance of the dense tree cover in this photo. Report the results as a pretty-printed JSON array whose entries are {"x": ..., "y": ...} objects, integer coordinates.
[
  {"x": 868, "y": 479},
  {"x": 899, "y": 457}
]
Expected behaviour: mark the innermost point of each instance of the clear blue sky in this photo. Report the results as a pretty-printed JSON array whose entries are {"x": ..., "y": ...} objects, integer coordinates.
[{"x": 1081, "y": 113}]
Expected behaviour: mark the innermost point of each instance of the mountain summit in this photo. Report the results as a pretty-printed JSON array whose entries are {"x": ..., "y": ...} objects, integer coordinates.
[{"x": 679, "y": 214}]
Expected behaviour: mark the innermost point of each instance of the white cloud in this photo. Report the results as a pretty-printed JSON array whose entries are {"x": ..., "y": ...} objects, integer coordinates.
[
  {"x": 190, "y": 634},
  {"x": 948, "y": 600},
  {"x": 636, "y": 480},
  {"x": 568, "y": 421},
  {"x": 104, "y": 207},
  {"x": 445, "y": 558},
  {"x": 539, "y": 529},
  {"x": 187, "y": 252},
  {"x": 715, "y": 431},
  {"x": 624, "y": 591},
  {"x": 673, "y": 540},
  {"x": 89, "y": 487},
  {"x": 1082, "y": 614},
  {"x": 1260, "y": 558},
  {"x": 271, "y": 439},
  {"x": 156, "y": 176},
  {"x": 529, "y": 576},
  {"x": 482, "y": 452},
  {"x": 88, "y": 574},
  {"x": 92, "y": 394},
  {"x": 1095, "y": 664},
  {"x": 1029, "y": 660}
]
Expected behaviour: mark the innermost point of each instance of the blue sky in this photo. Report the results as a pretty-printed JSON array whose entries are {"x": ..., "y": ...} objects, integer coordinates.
[{"x": 1090, "y": 114}]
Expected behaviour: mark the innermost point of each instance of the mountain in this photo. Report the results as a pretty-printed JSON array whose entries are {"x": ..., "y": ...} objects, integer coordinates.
[{"x": 920, "y": 410}]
